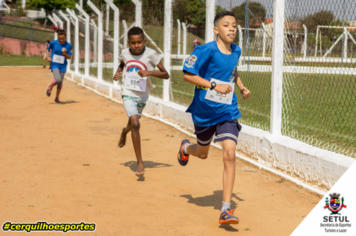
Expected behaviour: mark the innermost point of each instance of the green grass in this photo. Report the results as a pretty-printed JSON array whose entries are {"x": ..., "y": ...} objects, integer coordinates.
[
  {"x": 156, "y": 33},
  {"x": 317, "y": 108},
  {"x": 14, "y": 60},
  {"x": 10, "y": 31}
]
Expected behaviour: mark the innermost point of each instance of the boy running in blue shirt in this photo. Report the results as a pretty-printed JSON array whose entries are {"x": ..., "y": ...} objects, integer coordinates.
[
  {"x": 138, "y": 63},
  {"x": 61, "y": 51},
  {"x": 45, "y": 54},
  {"x": 213, "y": 69}
]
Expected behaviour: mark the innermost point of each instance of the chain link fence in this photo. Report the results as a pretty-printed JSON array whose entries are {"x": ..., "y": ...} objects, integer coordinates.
[{"x": 319, "y": 84}]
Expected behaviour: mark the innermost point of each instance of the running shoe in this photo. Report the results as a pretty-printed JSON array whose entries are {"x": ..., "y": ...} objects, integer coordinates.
[
  {"x": 182, "y": 158},
  {"x": 57, "y": 101},
  {"x": 49, "y": 90},
  {"x": 227, "y": 217}
]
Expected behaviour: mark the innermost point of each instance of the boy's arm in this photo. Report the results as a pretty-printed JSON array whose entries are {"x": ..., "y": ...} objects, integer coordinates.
[
  {"x": 197, "y": 80},
  {"x": 244, "y": 91},
  {"x": 49, "y": 52},
  {"x": 64, "y": 51},
  {"x": 162, "y": 75},
  {"x": 119, "y": 71}
]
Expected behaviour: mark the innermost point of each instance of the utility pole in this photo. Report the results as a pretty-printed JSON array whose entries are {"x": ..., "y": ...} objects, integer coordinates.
[{"x": 230, "y": 5}]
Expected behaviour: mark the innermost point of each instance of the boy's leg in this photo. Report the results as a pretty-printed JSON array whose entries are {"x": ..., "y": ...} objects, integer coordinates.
[
  {"x": 227, "y": 215},
  {"x": 124, "y": 132},
  {"x": 59, "y": 81},
  {"x": 198, "y": 150},
  {"x": 136, "y": 140},
  {"x": 229, "y": 158},
  {"x": 59, "y": 89},
  {"x": 44, "y": 62}
]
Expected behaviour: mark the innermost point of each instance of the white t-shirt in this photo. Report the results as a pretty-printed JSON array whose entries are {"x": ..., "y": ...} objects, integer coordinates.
[{"x": 148, "y": 60}]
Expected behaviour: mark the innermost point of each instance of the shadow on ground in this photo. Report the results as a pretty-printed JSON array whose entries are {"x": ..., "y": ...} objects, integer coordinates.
[
  {"x": 214, "y": 200},
  {"x": 148, "y": 164},
  {"x": 65, "y": 102}
]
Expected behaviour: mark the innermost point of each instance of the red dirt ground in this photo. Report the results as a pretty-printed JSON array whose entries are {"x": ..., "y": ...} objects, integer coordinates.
[{"x": 60, "y": 163}]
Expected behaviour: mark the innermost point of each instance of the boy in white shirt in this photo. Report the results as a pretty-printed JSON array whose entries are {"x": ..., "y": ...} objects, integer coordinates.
[{"x": 138, "y": 64}]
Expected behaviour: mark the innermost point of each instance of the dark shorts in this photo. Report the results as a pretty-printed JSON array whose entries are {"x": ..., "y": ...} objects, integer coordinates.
[{"x": 229, "y": 129}]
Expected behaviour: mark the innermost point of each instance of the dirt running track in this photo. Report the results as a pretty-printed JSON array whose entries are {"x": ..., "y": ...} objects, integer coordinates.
[{"x": 60, "y": 163}]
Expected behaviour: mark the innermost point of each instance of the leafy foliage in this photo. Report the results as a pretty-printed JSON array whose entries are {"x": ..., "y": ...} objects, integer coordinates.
[{"x": 256, "y": 13}]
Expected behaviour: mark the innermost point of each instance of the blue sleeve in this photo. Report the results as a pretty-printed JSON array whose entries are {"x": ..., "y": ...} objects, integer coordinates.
[
  {"x": 50, "y": 46},
  {"x": 69, "y": 49},
  {"x": 196, "y": 60}
]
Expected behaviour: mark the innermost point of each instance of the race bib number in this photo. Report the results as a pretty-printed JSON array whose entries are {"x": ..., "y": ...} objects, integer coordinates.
[
  {"x": 58, "y": 59},
  {"x": 134, "y": 82},
  {"x": 215, "y": 96}
]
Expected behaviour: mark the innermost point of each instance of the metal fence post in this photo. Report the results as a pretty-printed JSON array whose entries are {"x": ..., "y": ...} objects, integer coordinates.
[
  {"x": 138, "y": 13},
  {"x": 184, "y": 41},
  {"x": 100, "y": 39},
  {"x": 125, "y": 33},
  {"x": 68, "y": 32},
  {"x": 305, "y": 41},
  {"x": 167, "y": 46},
  {"x": 87, "y": 39},
  {"x": 95, "y": 41},
  {"x": 277, "y": 67},
  {"x": 55, "y": 23},
  {"x": 178, "y": 27},
  {"x": 209, "y": 22},
  {"x": 76, "y": 40}
]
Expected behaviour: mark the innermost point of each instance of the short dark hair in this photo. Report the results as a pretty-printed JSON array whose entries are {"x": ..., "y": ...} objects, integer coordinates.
[
  {"x": 48, "y": 41},
  {"x": 61, "y": 32},
  {"x": 135, "y": 31},
  {"x": 221, "y": 15}
]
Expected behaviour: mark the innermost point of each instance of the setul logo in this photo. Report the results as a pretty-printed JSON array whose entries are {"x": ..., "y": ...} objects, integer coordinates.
[{"x": 335, "y": 205}]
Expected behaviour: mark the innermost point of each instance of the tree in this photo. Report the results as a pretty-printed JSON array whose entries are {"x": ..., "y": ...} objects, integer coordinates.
[
  {"x": 256, "y": 13},
  {"x": 219, "y": 9},
  {"x": 49, "y": 5},
  {"x": 319, "y": 18},
  {"x": 196, "y": 12}
]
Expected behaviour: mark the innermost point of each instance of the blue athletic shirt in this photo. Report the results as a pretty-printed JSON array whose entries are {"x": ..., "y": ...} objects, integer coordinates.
[
  {"x": 57, "y": 49},
  {"x": 208, "y": 62}
]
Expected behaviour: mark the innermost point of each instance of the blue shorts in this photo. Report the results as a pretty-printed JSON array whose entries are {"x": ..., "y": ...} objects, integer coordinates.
[
  {"x": 133, "y": 105},
  {"x": 229, "y": 129}
]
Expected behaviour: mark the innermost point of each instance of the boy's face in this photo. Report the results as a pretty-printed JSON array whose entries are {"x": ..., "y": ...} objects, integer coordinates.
[
  {"x": 137, "y": 42},
  {"x": 226, "y": 29},
  {"x": 61, "y": 38}
]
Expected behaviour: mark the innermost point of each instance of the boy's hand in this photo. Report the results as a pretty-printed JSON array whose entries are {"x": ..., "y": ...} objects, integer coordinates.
[
  {"x": 64, "y": 50},
  {"x": 49, "y": 59},
  {"x": 117, "y": 76},
  {"x": 223, "y": 88},
  {"x": 245, "y": 93},
  {"x": 144, "y": 73}
]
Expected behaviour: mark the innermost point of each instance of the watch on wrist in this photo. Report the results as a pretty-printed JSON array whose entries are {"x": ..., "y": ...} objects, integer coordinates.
[{"x": 213, "y": 85}]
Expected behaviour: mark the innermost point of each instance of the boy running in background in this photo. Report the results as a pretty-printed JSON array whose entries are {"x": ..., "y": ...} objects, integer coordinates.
[
  {"x": 46, "y": 52},
  {"x": 138, "y": 63},
  {"x": 61, "y": 51},
  {"x": 212, "y": 68}
]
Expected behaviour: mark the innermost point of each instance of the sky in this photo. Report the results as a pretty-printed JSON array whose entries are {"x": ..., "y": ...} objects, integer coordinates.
[{"x": 303, "y": 7}]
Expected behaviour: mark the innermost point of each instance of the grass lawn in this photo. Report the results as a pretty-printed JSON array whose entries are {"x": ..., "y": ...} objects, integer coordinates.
[
  {"x": 15, "y": 60},
  {"x": 25, "y": 33},
  {"x": 318, "y": 109}
]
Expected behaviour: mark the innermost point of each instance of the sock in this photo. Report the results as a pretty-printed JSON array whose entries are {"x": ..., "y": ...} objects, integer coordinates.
[
  {"x": 185, "y": 150},
  {"x": 225, "y": 206}
]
